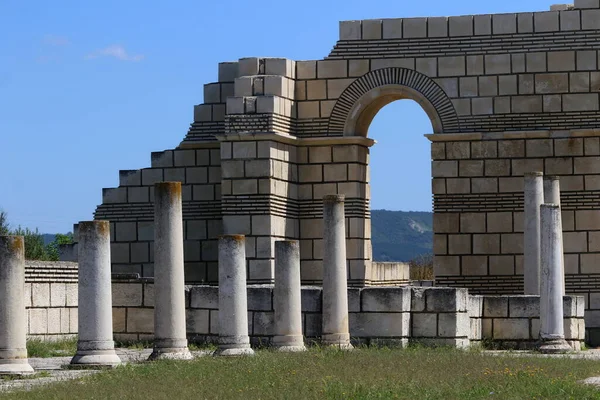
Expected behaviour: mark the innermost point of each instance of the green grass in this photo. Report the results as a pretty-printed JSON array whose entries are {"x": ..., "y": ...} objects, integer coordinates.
[
  {"x": 414, "y": 373},
  {"x": 45, "y": 349}
]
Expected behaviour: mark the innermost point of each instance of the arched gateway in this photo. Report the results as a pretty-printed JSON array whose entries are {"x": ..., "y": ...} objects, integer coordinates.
[{"x": 506, "y": 94}]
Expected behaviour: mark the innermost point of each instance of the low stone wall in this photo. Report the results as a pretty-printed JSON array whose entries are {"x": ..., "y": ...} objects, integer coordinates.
[
  {"x": 513, "y": 322},
  {"x": 51, "y": 299}
]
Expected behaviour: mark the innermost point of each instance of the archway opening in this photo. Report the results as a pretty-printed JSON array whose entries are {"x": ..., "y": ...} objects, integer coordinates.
[{"x": 400, "y": 180}]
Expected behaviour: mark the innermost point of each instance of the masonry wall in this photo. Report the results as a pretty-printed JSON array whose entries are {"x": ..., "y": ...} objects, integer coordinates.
[
  {"x": 378, "y": 316},
  {"x": 506, "y": 94},
  {"x": 51, "y": 299}
]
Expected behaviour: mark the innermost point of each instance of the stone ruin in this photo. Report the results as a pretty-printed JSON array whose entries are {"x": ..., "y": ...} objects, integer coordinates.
[
  {"x": 506, "y": 94},
  {"x": 274, "y": 174}
]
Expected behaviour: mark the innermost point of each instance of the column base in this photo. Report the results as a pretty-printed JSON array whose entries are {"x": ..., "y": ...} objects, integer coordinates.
[
  {"x": 170, "y": 353},
  {"x": 95, "y": 358},
  {"x": 338, "y": 340},
  {"x": 289, "y": 343},
  {"x": 228, "y": 348},
  {"x": 554, "y": 346},
  {"x": 15, "y": 367}
]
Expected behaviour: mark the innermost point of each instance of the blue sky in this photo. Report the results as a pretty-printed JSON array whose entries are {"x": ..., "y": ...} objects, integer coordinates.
[{"x": 89, "y": 88}]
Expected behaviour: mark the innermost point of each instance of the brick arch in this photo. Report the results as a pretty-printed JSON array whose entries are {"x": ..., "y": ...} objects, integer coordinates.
[{"x": 359, "y": 103}]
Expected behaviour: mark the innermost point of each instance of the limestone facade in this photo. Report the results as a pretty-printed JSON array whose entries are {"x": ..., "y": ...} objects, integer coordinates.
[{"x": 506, "y": 94}]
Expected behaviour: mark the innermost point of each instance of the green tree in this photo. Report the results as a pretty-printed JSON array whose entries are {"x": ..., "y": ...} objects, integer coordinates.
[
  {"x": 52, "y": 250},
  {"x": 4, "y": 227},
  {"x": 34, "y": 244}
]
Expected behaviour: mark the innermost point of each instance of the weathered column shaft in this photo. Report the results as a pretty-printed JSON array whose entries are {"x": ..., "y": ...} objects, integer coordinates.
[
  {"x": 534, "y": 197},
  {"x": 552, "y": 196},
  {"x": 233, "y": 301},
  {"x": 335, "y": 287},
  {"x": 551, "y": 291},
  {"x": 13, "y": 316},
  {"x": 170, "y": 340},
  {"x": 95, "y": 345},
  {"x": 287, "y": 297}
]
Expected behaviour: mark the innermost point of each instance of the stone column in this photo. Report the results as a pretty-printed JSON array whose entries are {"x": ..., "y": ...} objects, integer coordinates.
[
  {"x": 13, "y": 316},
  {"x": 95, "y": 345},
  {"x": 233, "y": 301},
  {"x": 534, "y": 197},
  {"x": 552, "y": 196},
  {"x": 287, "y": 297},
  {"x": 335, "y": 286},
  {"x": 170, "y": 340},
  {"x": 551, "y": 292}
]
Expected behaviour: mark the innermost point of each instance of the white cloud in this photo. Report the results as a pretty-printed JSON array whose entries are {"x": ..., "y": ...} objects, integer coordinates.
[
  {"x": 55, "y": 40},
  {"x": 115, "y": 51}
]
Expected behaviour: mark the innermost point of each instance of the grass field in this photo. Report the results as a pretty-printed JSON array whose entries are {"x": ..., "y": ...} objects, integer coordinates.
[{"x": 415, "y": 373}]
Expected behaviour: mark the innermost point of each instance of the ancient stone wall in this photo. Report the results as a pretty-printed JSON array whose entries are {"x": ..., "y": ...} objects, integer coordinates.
[
  {"x": 51, "y": 299},
  {"x": 506, "y": 94}
]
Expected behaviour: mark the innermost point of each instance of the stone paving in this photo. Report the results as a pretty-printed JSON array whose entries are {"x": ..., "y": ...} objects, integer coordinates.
[{"x": 52, "y": 367}]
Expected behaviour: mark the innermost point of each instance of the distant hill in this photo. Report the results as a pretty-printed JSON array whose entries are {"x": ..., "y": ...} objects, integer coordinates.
[
  {"x": 396, "y": 235},
  {"x": 48, "y": 238},
  {"x": 401, "y": 235}
]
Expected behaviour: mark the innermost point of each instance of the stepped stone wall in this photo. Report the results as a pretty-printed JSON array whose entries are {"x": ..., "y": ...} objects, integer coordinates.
[{"x": 506, "y": 94}]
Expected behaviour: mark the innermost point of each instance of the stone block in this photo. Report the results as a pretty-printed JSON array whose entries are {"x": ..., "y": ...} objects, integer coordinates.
[
  {"x": 40, "y": 295},
  {"x": 495, "y": 306},
  {"x": 263, "y": 323},
  {"x": 524, "y": 306},
  {"x": 527, "y": 104},
  {"x": 454, "y": 186},
  {"x": 546, "y": 21},
  {"x": 427, "y": 66},
  {"x": 58, "y": 295},
  {"x": 114, "y": 195},
  {"x": 474, "y": 265},
  {"x": 452, "y": 325},
  {"x": 54, "y": 322},
  {"x": 424, "y": 325},
  {"x": 119, "y": 316},
  {"x": 386, "y": 299},
  {"x": 459, "y": 244},
  {"x": 260, "y": 298},
  {"x": 561, "y": 61},
  {"x": 38, "y": 321},
  {"x": 486, "y": 244},
  {"x": 511, "y": 329},
  {"x": 484, "y": 185},
  {"x": 72, "y": 293},
  {"x": 371, "y": 29},
  {"x": 130, "y": 177},
  {"x": 332, "y": 69},
  {"x": 482, "y": 106},
  {"x": 461, "y": 26},
  {"x": 445, "y": 222},
  {"x": 504, "y": 23},
  {"x": 311, "y": 299},
  {"x": 483, "y": 24},
  {"x": 502, "y": 265},
  {"x": 127, "y": 294},
  {"x": 525, "y": 22},
  {"x": 125, "y": 231},
  {"x": 354, "y": 300},
  {"x": 198, "y": 321},
  {"x": 379, "y": 324},
  {"x": 392, "y": 28},
  {"x": 575, "y": 242},
  {"x": 414, "y": 27},
  {"x": 475, "y": 306},
  {"x": 590, "y": 19},
  {"x": 450, "y": 66},
  {"x": 472, "y": 222},
  {"x": 140, "y": 320},
  {"x": 417, "y": 299},
  {"x": 511, "y": 148},
  {"x": 349, "y": 30},
  {"x": 552, "y": 83},
  {"x": 580, "y": 102},
  {"x": 446, "y": 265},
  {"x": 511, "y": 243},
  {"x": 579, "y": 82},
  {"x": 312, "y": 325},
  {"x": 437, "y": 27},
  {"x": 443, "y": 169},
  {"x": 498, "y": 63},
  {"x": 446, "y": 299}
]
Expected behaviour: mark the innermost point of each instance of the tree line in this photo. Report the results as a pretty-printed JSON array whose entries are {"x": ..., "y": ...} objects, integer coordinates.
[{"x": 35, "y": 248}]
